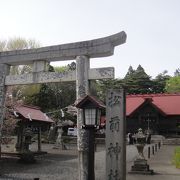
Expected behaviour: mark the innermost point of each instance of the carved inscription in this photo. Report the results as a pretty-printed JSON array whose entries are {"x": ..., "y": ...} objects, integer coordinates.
[
  {"x": 114, "y": 99},
  {"x": 113, "y": 175},
  {"x": 114, "y": 124},
  {"x": 114, "y": 150}
]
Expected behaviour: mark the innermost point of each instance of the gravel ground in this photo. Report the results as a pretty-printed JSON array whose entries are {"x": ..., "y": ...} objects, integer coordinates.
[{"x": 56, "y": 165}]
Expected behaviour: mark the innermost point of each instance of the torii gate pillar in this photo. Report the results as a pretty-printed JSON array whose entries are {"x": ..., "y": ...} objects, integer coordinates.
[
  {"x": 4, "y": 70},
  {"x": 82, "y": 88}
]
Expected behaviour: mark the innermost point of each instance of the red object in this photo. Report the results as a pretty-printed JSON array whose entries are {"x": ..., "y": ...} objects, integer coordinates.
[
  {"x": 103, "y": 120},
  {"x": 32, "y": 113},
  {"x": 168, "y": 104}
]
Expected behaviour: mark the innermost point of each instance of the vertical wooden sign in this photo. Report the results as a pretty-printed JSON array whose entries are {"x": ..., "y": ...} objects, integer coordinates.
[{"x": 115, "y": 135}]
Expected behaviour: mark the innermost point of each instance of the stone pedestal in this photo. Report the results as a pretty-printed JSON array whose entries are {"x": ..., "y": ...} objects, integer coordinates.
[{"x": 141, "y": 167}]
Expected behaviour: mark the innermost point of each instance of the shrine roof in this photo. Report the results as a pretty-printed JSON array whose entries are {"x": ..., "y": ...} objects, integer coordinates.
[
  {"x": 167, "y": 103},
  {"x": 32, "y": 113}
]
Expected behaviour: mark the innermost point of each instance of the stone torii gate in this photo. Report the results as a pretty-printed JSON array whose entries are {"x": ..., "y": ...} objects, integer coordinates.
[{"x": 82, "y": 52}]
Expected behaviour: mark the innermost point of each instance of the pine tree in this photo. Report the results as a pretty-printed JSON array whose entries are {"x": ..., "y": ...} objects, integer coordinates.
[{"x": 137, "y": 81}]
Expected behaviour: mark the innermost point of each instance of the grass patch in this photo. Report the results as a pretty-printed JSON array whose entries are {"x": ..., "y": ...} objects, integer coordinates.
[{"x": 176, "y": 158}]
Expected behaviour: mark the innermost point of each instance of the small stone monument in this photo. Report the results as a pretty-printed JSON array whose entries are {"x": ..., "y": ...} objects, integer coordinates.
[
  {"x": 59, "y": 141},
  {"x": 140, "y": 164},
  {"x": 26, "y": 155},
  {"x": 27, "y": 139}
]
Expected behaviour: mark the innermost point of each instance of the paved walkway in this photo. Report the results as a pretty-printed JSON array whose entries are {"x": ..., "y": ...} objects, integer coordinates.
[
  {"x": 62, "y": 165},
  {"x": 161, "y": 163}
]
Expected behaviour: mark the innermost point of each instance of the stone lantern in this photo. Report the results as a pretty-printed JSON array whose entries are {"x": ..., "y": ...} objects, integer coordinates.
[{"x": 140, "y": 164}]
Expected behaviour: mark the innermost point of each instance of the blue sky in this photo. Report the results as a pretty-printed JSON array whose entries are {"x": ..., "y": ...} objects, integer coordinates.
[{"x": 152, "y": 27}]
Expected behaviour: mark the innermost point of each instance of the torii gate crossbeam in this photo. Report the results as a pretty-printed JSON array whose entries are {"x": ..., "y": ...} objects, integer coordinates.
[{"x": 101, "y": 47}]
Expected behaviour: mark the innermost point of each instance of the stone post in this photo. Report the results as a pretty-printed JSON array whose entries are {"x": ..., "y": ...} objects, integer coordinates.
[
  {"x": 39, "y": 138},
  {"x": 115, "y": 135},
  {"x": 82, "y": 88},
  {"x": 4, "y": 70}
]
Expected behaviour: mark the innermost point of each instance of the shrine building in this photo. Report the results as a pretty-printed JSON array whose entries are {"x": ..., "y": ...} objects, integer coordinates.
[{"x": 160, "y": 113}]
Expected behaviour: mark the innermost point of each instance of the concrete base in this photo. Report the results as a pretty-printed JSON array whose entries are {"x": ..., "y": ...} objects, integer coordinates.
[
  {"x": 150, "y": 172},
  {"x": 141, "y": 167}
]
